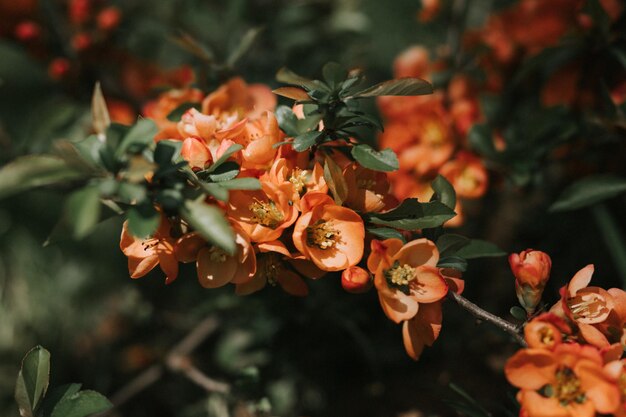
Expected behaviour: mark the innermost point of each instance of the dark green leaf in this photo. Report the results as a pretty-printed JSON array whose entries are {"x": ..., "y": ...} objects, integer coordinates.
[
  {"x": 143, "y": 220},
  {"x": 241, "y": 184},
  {"x": 287, "y": 121},
  {"x": 385, "y": 160},
  {"x": 139, "y": 136},
  {"x": 454, "y": 262},
  {"x": 214, "y": 190},
  {"x": 227, "y": 154},
  {"x": 210, "y": 222},
  {"x": 224, "y": 172},
  {"x": 413, "y": 215},
  {"x": 32, "y": 381},
  {"x": 304, "y": 141},
  {"x": 400, "y": 87},
  {"x": 386, "y": 233},
  {"x": 478, "y": 248},
  {"x": 589, "y": 191},
  {"x": 287, "y": 76},
  {"x": 449, "y": 244},
  {"x": 166, "y": 151},
  {"x": 444, "y": 191},
  {"x": 481, "y": 140},
  {"x": 82, "y": 210},
  {"x": 33, "y": 171},
  {"x": 81, "y": 404},
  {"x": 518, "y": 312},
  {"x": 56, "y": 395},
  {"x": 176, "y": 114},
  {"x": 334, "y": 74}
]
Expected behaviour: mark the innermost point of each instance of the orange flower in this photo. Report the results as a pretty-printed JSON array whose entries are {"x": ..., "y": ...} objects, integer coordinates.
[
  {"x": 599, "y": 314},
  {"x": 430, "y": 9},
  {"x": 568, "y": 381},
  {"x": 263, "y": 214},
  {"x": 235, "y": 96},
  {"x": 329, "y": 235},
  {"x": 303, "y": 180},
  {"x": 145, "y": 254},
  {"x": 467, "y": 174},
  {"x": 617, "y": 370},
  {"x": 368, "y": 191},
  {"x": 532, "y": 270},
  {"x": 406, "y": 276},
  {"x": 412, "y": 62},
  {"x": 258, "y": 139},
  {"x": 158, "y": 110},
  {"x": 277, "y": 266},
  {"x": 542, "y": 335}
]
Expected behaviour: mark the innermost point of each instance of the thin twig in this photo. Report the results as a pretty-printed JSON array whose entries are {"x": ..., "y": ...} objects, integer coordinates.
[{"x": 479, "y": 313}]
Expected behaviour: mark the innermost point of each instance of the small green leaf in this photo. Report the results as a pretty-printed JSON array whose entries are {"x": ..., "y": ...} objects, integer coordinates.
[
  {"x": 304, "y": 141},
  {"x": 82, "y": 210},
  {"x": 400, "y": 87},
  {"x": 33, "y": 171},
  {"x": 478, "y": 248},
  {"x": 143, "y": 220},
  {"x": 224, "y": 172},
  {"x": 444, "y": 191},
  {"x": 56, "y": 395},
  {"x": 413, "y": 215},
  {"x": 589, "y": 191},
  {"x": 287, "y": 121},
  {"x": 81, "y": 404},
  {"x": 32, "y": 381},
  {"x": 214, "y": 190},
  {"x": 454, "y": 262},
  {"x": 335, "y": 180},
  {"x": 176, "y": 114},
  {"x": 139, "y": 136},
  {"x": 519, "y": 313},
  {"x": 227, "y": 154},
  {"x": 287, "y": 76},
  {"x": 241, "y": 184},
  {"x": 386, "y": 233},
  {"x": 210, "y": 222},
  {"x": 99, "y": 113},
  {"x": 385, "y": 160},
  {"x": 334, "y": 74}
]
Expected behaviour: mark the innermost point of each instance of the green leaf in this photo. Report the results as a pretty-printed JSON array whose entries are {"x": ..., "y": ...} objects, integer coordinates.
[
  {"x": 400, "y": 87},
  {"x": 285, "y": 75},
  {"x": 143, "y": 220},
  {"x": 210, "y": 222},
  {"x": 224, "y": 172},
  {"x": 166, "y": 151},
  {"x": 99, "y": 113},
  {"x": 81, "y": 404},
  {"x": 335, "y": 181},
  {"x": 139, "y": 136},
  {"x": 449, "y": 244},
  {"x": 32, "y": 381},
  {"x": 444, "y": 191},
  {"x": 56, "y": 395},
  {"x": 82, "y": 210},
  {"x": 176, "y": 114},
  {"x": 413, "y": 215},
  {"x": 33, "y": 171},
  {"x": 519, "y": 313},
  {"x": 478, "y": 248},
  {"x": 386, "y": 233},
  {"x": 385, "y": 160},
  {"x": 304, "y": 141},
  {"x": 241, "y": 184},
  {"x": 294, "y": 93},
  {"x": 454, "y": 262},
  {"x": 214, "y": 190},
  {"x": 589, "y": 191},
  {"x": 334, "y": 74},
  {"x": 287, "y": 121},
  {"x": 227, "y": 154},
  {"x": 480, "y": 139}
]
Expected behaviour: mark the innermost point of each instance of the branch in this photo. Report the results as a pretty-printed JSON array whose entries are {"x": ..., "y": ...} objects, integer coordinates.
[{"x": 481, "y": 314}]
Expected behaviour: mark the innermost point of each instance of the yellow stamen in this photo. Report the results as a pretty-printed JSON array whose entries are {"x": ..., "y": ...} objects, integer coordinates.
[
  {"x": 400, "y": 276},
  {"x": 269, "y": 266},
  {"x": 266, "y": 213},
  {"x": 299, "y": 178},
  {"x": 568, "y": 387},
  {"x": 322, "y": 234},
  {"x": 546, "y": 335},
  {"x": 587, "y": 306},
  {"x": 433, "y": 135}
]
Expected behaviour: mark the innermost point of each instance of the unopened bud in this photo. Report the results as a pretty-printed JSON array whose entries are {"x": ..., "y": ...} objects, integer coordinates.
[
  {"x": 531, "y": 269},
  {"x": 356, "y": 280}
]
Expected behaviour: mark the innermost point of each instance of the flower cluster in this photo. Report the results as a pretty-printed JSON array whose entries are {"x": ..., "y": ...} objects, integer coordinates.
[
  {"x": 429, "y": 134},
  {"x": 573, "y": 365}
]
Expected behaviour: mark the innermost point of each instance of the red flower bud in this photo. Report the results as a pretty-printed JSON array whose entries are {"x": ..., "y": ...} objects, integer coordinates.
[
  {"x": 58, "y": 68},
  {"x": 356, "y": 280},
  {"x": 109, "y": 18},
  {"x": 27, "y": 31},
  {"x": 81, "y": 41},
  {"x": 532, "y": 270}
]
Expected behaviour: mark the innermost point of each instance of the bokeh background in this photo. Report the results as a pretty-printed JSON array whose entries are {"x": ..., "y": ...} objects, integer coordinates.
[{"x": 330, "y": 354}]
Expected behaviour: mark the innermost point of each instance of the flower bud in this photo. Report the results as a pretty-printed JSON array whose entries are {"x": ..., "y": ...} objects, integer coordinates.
[
  {"x": 27, "y": 31},
  {"x": 59, "y": 68},
  {"x": 195, "y": 152},
  {"x": 356, "y": 280},
  {"x": 109, "y": 18},
  {"x": 531, "y": 269}
]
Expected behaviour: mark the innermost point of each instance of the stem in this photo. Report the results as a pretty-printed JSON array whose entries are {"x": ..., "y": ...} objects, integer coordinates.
[
  {"x": 612, "y": 238},
  {"x": 481, "y": 314}
]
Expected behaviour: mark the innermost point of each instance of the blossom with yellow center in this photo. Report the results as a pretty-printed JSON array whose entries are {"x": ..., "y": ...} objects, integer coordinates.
[
  {"x": 266, "y": 213},
  {"x": 322, "y": 234}
]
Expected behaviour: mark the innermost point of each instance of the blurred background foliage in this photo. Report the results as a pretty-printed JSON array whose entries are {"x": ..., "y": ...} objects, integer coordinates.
[{"x": 330, "y": 354}]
